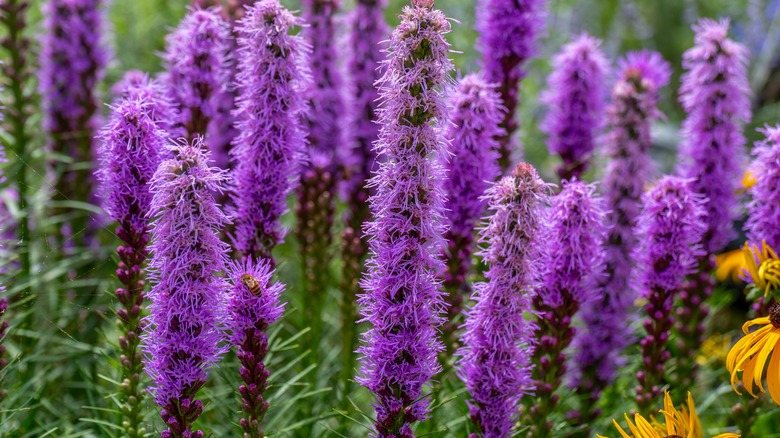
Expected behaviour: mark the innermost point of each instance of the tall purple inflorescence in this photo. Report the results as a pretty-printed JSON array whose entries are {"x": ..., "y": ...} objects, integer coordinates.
[
  {"x": 367, "y": 30},
  {"x": 272, "y": 79},
  {"x": 475, "y": 116},
  {"x": 764, "y": 215},
  {"x": 253, "y": 304},
  {"x": 137, "y": 85},
  {"x": 185, "y": 326},
  {"x": 402, "y": 300},
  {"x": 499, "y": 339},
  {"x": 575, "y": 100},
  {"x": 630, "y": 115},
  {"x": 317, "y": 192},
  {"x": 715, "y": 95},
  {"x": 572, "y": 266},
  {"x": 72, "y": 65},
  {"x": 131, "y": 148},
  {"x": 508, "y": 31},
  {"x": 670, "y": 228},
  {"x": 198, "y": 73}
]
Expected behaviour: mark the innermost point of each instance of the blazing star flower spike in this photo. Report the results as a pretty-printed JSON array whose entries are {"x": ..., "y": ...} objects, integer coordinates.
[
  {"x": 671, "y": 228},
  {"x": 631, "y": 114},
  {"x": 198, "y": 69},
  {"x": 572, "y": 267},
  {"x": 575, "y": 98},
  {"x": 763, "y": 213},
  {"x": 402, "y": 300},
  {"x": 499, "y": 340},
  {"x": 507, "y": 37},
  {"x": 184, "y": 336},
  {"x": 472, "y": 165},
  {"x": 253, "y": 305},
  {"x": 267, "y": 154}
]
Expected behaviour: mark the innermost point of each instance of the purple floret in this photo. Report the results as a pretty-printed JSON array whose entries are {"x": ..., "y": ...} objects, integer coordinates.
[
  {"x": 403, "y": 301},
  {"x": 508, "y": 30},
  {"x": 499, "y": 340},
  {"x": 184, "y": 337},
  {"x": 575, "y": 98},
  {"x": 763, "y": 210},
  {"x": 272, "y": 80}
]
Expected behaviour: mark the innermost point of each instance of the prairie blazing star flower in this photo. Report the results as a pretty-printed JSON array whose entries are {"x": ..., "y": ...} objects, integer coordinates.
[
  {"x": 575, "y": 100},
  {"x": 671, "y": 228},
  {"x": 198, "y": 69},
  {"x": 499, "y": 340},
  {"x": 683, "y": 423},
  {"x": 402, "y": 300},
  {"x": 634, "y": 108},
  {"x": 572, "y": 266},
  {"x": 272, "y": 79},
  {"x": 471, "y": 168},
  {"x": 715, "y": 95},
  {"x": 186, "y": 316},
  {"x": 507, "y": 38},
  {"x": 763, "y": 213},
  {"x": 751, "y": 353},
  {"x": 253, "y": 305}
]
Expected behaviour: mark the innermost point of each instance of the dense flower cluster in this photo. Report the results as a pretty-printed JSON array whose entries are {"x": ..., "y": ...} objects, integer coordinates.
[
  {"x": 272, "y": 79},
  {"x": 631, "y": 113},
  {"x": 575, "y": 99},
  {"x": 183, "y": 340},
  {"x": 472, "y": 166},
  {"x": 508, "y": 31},
  {"x": 402, "y": 300},
  {"x": 499, "y": 339},
  {"x": 571, "y": 262},
  {"x": 670, "y": 229},
  {"x": 764, "y": 215}
]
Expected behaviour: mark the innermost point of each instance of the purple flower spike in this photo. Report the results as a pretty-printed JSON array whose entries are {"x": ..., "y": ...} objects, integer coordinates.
[
  {"x": 630, "y": 116},
  {"x": 72, "y": 65},
  {"x": 572, "y": 264},
  {"x": 475, "y": 116},
  {"x": 131, "y": 148},
  {"x": 575, "y": 100},
  {"x": 367, "y": 30},
  {"x": 253, "y": 304},
  {"x": 715, "y": 95},
  {"x": 764, "y": 215},
  {"x": 136, "y": 85},
  {"x": 499, "y": 340},
  {"x": 198, "y": 64},
  {"x": 184, "y": 333},
  {"x": 267, "y": 154},
  {"x": 402, "y": 300},
  {"x": 670, "y": 228},
  {"x": 508, "y": 31}
]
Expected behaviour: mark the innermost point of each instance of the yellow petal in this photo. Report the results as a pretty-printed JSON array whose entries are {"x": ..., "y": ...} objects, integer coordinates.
[{"x": 773, "y": 376}]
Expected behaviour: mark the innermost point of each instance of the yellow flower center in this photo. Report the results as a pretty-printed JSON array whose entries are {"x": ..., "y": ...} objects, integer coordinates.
[{"x": 774, "y": 315}]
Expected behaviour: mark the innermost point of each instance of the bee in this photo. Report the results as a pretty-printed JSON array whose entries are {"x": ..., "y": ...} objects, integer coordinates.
[{"x": 251, "y": 283}]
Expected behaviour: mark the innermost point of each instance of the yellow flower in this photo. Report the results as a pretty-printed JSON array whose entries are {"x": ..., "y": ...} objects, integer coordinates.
[
  {"x": 750, "y": 354},
  {"x": 763, "y": 266},
  {"x": 715, "y": 348},
  {"x": 683, "y": 423},
  {"x": 748, "y": 181},
  {"x": 729, "y": 265}
]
